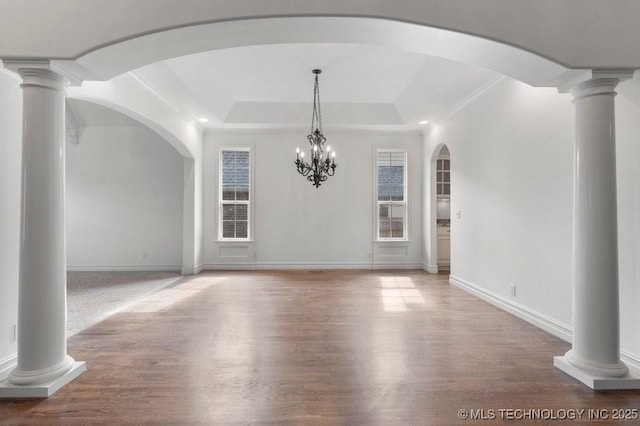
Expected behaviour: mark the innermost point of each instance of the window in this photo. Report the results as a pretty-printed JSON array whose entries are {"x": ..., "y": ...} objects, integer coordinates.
[
  {"x": 392, "y": 194},
  {"x": 235, "y": 190}
]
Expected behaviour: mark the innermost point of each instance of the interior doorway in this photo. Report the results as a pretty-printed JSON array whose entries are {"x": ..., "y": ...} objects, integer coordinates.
[{"x": 443, "y": 208}]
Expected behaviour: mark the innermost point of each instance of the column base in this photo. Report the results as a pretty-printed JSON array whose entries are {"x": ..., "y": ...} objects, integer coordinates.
[
  {"x": 595, "y": 382},
  {"x": 42, "y": 390}
]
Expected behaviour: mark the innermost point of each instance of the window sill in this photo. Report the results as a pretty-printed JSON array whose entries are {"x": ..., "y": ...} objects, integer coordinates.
[
  {"x": 392, "y": 241},
  {"x": 234, "y": 241}
]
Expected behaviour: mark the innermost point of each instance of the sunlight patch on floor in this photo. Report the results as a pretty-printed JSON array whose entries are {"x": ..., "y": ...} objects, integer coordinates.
[
  {"x": 398, "y": 293},
  {"x": 172, "y": 295}
]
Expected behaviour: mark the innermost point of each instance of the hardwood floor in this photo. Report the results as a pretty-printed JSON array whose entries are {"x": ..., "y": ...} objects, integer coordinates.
[{"x": 336, "y": 347}]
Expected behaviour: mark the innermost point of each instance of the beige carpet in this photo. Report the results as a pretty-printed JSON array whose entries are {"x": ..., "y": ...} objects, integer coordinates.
[{"x": 94, "y": 296}]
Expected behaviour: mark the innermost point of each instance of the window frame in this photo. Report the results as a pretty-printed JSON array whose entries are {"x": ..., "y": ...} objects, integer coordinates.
[
  {"x": 248, "y": 203},
  {"x": 405, "y": 196}
]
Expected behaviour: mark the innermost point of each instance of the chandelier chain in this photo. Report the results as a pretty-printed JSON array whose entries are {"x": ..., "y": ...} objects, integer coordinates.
[{"x": 317, "y": 111}]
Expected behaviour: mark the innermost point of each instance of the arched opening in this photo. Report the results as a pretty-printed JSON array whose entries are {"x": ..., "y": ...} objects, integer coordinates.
[
  {"x": 443, "y": 208},
  {"x": 439, "y": 210},
  {"x": 134, "y": 62},
  {"x": 114, "y": 59},
  {"x": 124, "y": 194}
]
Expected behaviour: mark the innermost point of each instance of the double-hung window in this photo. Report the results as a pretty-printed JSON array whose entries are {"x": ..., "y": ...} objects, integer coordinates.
[
  {"x": 392, "y": 194},
  {"x": 235, "y": 194}
]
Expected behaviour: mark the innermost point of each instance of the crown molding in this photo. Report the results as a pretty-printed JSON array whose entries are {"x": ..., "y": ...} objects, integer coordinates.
[{"x": 475, "y": 94}]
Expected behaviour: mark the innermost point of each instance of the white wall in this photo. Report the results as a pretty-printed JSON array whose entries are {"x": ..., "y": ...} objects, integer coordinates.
[
  {"x": 124, "y": 201},
  {"x": 512, "y": 181},
  {"x": 300, "y": 226},
  {"x": 10, "y": 165},
  {"x": 133, "y": 95},
  {"x": 192, "y": 215},
  {"x": 628, "y": 156}
]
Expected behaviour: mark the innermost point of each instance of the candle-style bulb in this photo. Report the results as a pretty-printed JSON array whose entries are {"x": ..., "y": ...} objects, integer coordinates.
[
  {"x": 297, "y": 150},
  {"x": 333, "y": 154},
  {"x": 302, "y": 154},
  {"x": 328, "y": 148},
  {"x": 315, "y": 147}
]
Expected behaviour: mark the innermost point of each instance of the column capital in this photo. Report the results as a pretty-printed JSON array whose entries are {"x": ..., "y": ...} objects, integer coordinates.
[
  {"x": 591, "y": 80},
  {"x": 38, "y": 73},
  {"x": 595, "y": 87}
]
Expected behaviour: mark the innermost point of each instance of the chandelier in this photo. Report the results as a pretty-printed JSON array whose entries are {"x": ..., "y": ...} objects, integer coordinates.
[{"x": 321, "y": 165}]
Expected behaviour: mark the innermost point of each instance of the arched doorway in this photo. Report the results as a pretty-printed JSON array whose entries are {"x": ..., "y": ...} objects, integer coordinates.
[
  {"x": 443, "y": 209},
  {"x": 438, "y": 211},
  {"x": 122, "y": 56}
]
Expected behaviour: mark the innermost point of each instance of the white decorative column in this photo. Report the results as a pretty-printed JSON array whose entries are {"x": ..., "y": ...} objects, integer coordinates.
[
  {"x": 595, "y": 356},
  {"x": 43, "y": 365}
]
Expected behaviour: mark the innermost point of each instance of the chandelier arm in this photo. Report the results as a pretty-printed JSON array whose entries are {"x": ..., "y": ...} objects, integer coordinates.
[{"x": 303, "y": 168}]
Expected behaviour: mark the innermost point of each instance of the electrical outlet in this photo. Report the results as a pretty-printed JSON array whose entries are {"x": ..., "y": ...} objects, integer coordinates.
[
  {"x": 512, "y": 289},
  {"x": 458, "y": 214}
]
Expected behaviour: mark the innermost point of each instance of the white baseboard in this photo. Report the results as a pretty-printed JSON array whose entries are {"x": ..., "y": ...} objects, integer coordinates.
[
  {"x": 7, "y": 365},
  {"x": 285, "y": 265},
  {"x": 631, "y": 360},
  {"x": 128, "y": 268},
  {"x": 309, "y": 265},
  {"x": 542, "y": 321},
  {"x": 432, "y": 269},
  {"x": 548, "y": 324},
  {"x": 191, "y": 271},
  {"x": 397, "y": 265},
  {"x": 226, "y": 266}
]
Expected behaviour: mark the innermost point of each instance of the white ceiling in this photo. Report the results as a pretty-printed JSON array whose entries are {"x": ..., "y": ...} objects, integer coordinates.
[
  {"x": 361, "y": 85},
  {"x": 282, "y": 73}
]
